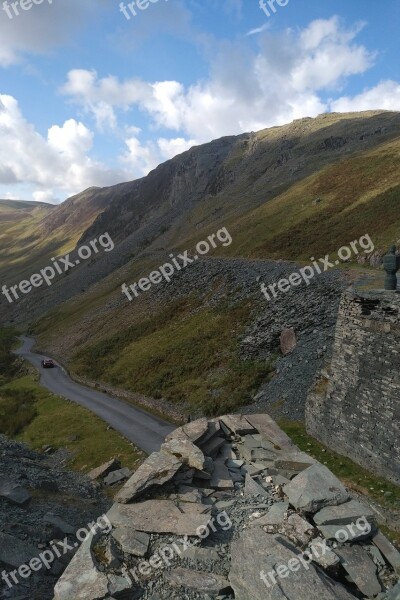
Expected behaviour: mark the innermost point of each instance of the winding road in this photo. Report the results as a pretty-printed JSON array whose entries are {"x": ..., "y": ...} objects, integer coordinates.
[{"x": 145, "y": 430}]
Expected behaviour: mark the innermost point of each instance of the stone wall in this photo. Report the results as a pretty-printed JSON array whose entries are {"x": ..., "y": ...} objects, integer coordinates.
[{"x": 354, "y": 407}]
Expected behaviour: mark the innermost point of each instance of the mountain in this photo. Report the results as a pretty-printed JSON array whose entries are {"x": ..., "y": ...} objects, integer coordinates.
[{"x": 291, "y": 192}]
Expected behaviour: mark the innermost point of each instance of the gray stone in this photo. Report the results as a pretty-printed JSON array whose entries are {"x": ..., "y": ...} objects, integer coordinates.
[
  {"x": 221, "y": 478},
  {"x": 131, "y": 541},
  {"x": 315, "y": 488},
  {"x": 202, "y": 583},
  {"x": 118, "y": 585},
  {"x": 117, "y": 476},
  {"x": 344, "y": 514},
  {"x": 270, "y": 431},
  {"x": 82, "y": 580},
  {"x": 104, "y": 469},
  {"x": 160, "y": 516},
  {"x": 256, "y": 553},
  {"x": 288, "y": 341},
  {"x": 394, "y": 593},
  {"x": 361, "y": 569},
  {"x": 234, "y": 463},
  {"x": 322, "y": 554},
  {"x": 275, "y": 515},
  {"x": 252, "y": 488},
  {"x": 14, "y": 552},
  {"x": 297, "y": 529},
  {"x": 238, "y": 424},
  {"x": 209, "y": 555},
  {"x": 181, "y": 446},
  {"x": 157, "y": 469},
  {"x": 13, "y": 492},
  {"x": 344, "y": 533},
  {"x": 59, "y": 524},
  {"x": 212, "y": 447},
  {"x": 388, "y": 550},
  {"x": 189, "y": 494}
]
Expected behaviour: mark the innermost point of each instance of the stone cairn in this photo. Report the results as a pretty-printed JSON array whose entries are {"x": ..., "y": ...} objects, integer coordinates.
[{"x": 230, "y": 508}]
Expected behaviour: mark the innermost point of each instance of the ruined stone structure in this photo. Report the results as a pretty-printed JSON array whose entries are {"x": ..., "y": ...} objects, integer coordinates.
[{"x": 355, "y": 407}]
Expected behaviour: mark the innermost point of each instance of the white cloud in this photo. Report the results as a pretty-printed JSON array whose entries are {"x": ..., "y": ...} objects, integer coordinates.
[
  {"x": 385, "y": 95},
  {"x": 58, "y": 162},
  {"x": 246, "y": 90}
]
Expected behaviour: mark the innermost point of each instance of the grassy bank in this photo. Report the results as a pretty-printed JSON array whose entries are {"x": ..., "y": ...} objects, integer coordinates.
[
  {"x": 185, "y": 354},
  {"x": 31, "y": 414}
]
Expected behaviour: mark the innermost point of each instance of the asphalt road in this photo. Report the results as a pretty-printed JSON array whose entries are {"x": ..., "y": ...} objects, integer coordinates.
[{"x": 143, "y": 429}]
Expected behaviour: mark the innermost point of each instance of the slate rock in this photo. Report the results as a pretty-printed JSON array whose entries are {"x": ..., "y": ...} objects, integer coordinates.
[
  {"x": 181, "y": 446},
  {"x": 238, "y": 424},
  {"x": 252, "y": 488},
  {"x": 315, "y": 488},
  {"x": 202, "y": 583},
  {"x": 287, "y": 341},
  {"x": 82, "y": 580},
  {"x": 346, "y": 513},
  {"x": 361, "y": 569},
  {"x": 256, "y": 553},
  {"x": 117, "y": 476},
  {"x": 157, "y": 469},
  {"x": 160, "y": 516},
  {"x": 104, "y": 469},
  {"x": 270, "y": 431},
  {"x": 275, "y": 516},
  {"x": 59, "y": 524},
  {"x": 13, "y": 492},
  {"x": 388, "y": 550},
  {"x": 131, "y": 541}
]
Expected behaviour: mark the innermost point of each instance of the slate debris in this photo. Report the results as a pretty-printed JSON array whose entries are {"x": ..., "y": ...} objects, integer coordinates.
[{"x": 266, "y": 519}]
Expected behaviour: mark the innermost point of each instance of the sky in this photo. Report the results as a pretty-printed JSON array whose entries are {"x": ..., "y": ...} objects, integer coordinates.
[{"x": 93, "y": 92}]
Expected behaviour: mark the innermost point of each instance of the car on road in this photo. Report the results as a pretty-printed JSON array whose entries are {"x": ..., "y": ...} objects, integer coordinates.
[{"x": 47, "y": 363}]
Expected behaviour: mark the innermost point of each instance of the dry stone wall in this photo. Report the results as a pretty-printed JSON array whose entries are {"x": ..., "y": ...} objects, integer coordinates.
[{"x": 355, "y": 407}]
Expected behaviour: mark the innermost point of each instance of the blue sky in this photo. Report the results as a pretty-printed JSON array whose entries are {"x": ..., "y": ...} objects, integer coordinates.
[{"x": 88, "y": 97}]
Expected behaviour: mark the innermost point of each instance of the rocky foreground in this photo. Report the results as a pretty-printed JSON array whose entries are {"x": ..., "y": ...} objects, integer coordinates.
[{"x": 230, "y": 509}]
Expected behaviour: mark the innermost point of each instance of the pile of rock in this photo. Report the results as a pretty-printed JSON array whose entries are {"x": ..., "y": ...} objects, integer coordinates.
[
  {"x": 41, "y": 502},
  {"x": 230, "y": 508}
]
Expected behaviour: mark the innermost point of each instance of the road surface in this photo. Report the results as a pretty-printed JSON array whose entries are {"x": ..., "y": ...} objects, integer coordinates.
[{"x": 143, "y": 429}]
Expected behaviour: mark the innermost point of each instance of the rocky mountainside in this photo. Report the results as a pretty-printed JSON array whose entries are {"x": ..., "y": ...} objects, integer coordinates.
[{"x": 231, "y": 509}]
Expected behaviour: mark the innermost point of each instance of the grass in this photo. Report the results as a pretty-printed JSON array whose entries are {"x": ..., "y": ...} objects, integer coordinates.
[
  {"x": 185, "y": 354},
  {"x": 40, "y": 418},
  {"x": 345, "y": 469}
]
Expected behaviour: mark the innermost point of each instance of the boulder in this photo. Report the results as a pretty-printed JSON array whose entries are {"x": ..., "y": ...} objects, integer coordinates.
[
  {"x": 181, "y": 446},
  {"x": 160, "y": 516},
  {"x": 157, "y": 469},
  {"x": 104, "y": 469},
  {"x": 315, "y": 488}
]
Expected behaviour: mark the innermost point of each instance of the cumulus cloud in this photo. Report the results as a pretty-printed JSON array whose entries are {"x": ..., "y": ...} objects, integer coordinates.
[
  {"x": 58, "y": 162},
  {"x": 246, "y": 89},
  {"x": 385, "y": 95}
]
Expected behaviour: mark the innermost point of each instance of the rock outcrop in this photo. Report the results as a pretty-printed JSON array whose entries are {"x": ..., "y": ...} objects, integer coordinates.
[{"x": 254, "y": 519}]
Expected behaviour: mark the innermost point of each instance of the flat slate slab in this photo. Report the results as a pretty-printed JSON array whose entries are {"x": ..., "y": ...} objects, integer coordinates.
[
  {"x": 315, "y": 488},
  {"x": 117, "y": 476},
  {"x": 221, "y": 478},
  {"x": 252, "y": 488},
  {"x": 81, "y": 580},
  {"x": 361, "y": 569},
  {"x": 157, "y": 469},
  {"x": 200, "y": 582},
  {"x": 256, "y": 554},
  {"x": 160, "y": 516},
  {"x": 344, "y": 514},
  {"x": 13, "y": 492},
  {"x": 270, "y": 431},
  {"x": 194, "y": 430},
  {"x": 132, "y": 541},
  {"x": 388, "y": 550},
  {"x": 275, "y": 516},
  {"x": 238, "y": 424}
]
